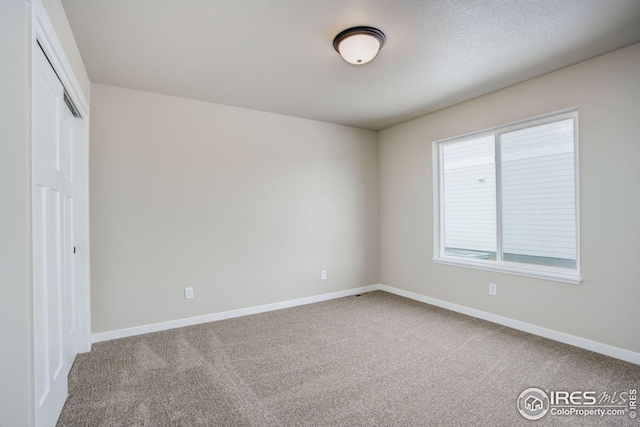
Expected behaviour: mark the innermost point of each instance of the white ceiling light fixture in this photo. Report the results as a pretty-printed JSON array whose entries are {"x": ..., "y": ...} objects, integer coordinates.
[{"x": 359, "y": 45}]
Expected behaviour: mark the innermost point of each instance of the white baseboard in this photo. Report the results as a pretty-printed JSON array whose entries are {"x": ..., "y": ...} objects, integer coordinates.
[
  {"x": 607, "y": 350},
  {"x": 163, "y": 326}
]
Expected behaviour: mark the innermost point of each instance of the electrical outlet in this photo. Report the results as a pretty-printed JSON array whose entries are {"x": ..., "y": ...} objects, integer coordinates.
[
  {"x": 323, "y": 274},
  {"x": 188, "y": 293},
  {"x": 492, "y": 289}
]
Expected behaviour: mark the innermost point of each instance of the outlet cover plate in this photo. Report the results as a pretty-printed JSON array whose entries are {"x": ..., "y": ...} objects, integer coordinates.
[{"x": 492, "y": 289}]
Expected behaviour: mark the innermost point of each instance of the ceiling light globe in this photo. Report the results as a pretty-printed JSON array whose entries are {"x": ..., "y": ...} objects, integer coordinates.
[
  {"x": 359, "y": 45},
  {"x": 359, "y": 49}
]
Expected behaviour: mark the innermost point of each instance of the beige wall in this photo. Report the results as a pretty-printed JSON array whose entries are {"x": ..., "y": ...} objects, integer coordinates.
[
  {"x": 15, "y": 301},
  {"x": 244, "y": 206},
  {"x": 604, "y": 308}
]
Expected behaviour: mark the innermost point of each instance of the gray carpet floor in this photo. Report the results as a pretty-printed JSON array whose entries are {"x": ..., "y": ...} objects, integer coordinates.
[{"x": 371, "y": 360}]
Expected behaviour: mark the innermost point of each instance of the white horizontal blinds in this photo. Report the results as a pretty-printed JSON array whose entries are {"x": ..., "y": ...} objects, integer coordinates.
[
  {"x": 538, "y": 195},
  {"x": 469, "y": 195}
]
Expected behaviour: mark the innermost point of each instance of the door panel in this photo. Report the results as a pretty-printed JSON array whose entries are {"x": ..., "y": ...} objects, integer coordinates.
[
  {"x": 41, "y": 341},
  {"x": 67, "y": 144},
  {"x": 54, "y": 276},
  {"x": 46, "y": 112},
  {"x": 53, "y": 234}
]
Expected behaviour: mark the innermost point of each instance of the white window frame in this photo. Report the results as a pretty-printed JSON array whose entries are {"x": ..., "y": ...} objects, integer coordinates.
[{"x": 559, "y": 274}]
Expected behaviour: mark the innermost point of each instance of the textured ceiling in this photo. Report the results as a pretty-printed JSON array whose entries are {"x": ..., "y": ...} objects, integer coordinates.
[{"x": 277, "y": 55}]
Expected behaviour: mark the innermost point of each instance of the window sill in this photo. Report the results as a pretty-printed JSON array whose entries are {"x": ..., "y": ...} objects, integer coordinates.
[{"x": 544, "y": 274}]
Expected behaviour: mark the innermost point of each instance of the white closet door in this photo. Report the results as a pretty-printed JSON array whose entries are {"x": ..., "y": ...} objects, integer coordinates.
[
  {"x": 67, "y": 143},
  {"x": 53, "y": 203}
]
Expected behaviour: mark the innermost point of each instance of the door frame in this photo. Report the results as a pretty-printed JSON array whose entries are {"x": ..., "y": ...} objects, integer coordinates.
[{"x": 43, "y": 35}]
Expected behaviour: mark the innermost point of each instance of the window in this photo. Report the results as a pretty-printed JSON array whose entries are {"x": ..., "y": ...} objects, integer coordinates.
[{"x": 506, "y": 199}]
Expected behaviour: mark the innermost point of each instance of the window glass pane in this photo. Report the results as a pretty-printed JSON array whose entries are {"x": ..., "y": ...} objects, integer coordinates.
[
  {"x": 538, "y": 195},
  {"x": 469, "y": 195}
]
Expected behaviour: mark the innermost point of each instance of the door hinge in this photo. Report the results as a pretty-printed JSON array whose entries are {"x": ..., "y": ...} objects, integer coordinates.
[{"x": 74, "y": 249}]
